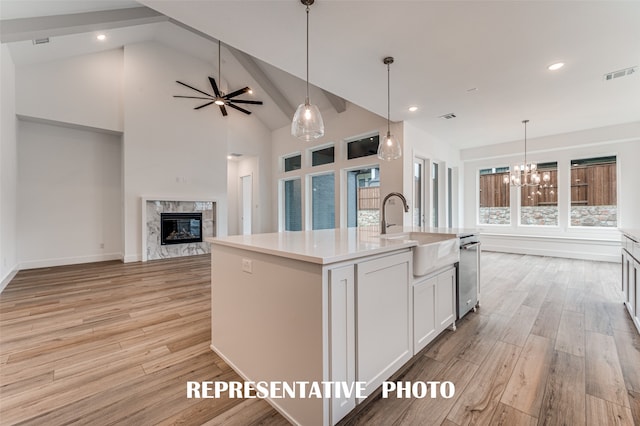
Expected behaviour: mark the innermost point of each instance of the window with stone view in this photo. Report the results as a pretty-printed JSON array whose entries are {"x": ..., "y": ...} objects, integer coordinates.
[
  {"x": 593, "y": 192},
  {"x": 494, "y": 197},
  {"x": 539, "y": 203}
]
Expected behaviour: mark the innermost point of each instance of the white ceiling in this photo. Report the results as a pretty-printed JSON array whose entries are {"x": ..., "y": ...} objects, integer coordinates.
[{"x": 442, "y": 49}]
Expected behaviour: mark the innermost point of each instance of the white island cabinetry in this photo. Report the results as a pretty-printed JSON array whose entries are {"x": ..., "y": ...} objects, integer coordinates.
[
  {"x": 384, "y": 326},
  {"x": 631, "y": 273},
  {"x": 315, "y": 306},
  {"x": 433, "y": 306}
]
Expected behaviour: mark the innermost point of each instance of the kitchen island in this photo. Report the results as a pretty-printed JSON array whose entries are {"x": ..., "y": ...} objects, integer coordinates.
[{"x": 320, "y": 306}]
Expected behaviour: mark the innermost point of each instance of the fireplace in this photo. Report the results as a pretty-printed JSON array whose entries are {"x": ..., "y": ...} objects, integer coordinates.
[{"x": 180, "y": 228}]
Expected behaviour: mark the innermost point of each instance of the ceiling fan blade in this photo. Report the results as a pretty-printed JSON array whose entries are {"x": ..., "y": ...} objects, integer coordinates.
[
  {"x": 240, "y": 101},
  {"x": 192, "y": 97},
  {"x": 236, "y": 93},
  {"x": 223, "y": 110},
  {"x": 202, "y": 106},
  {"x": 214, "y": 86},
  {"x": 239, "y": 109},
  {"x": 193, "y": 88}
]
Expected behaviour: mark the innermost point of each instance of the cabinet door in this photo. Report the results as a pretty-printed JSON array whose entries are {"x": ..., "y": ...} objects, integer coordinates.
[
  {"x": 636, "y": 284},
  {"x": 342, "y": 352},
  {"x": 445, "y": 302},
  {"x": 383, "y": 316},
  {"x": 625, "y": 274},
  {"x": 424, "y": 313},
  {"x": 632, "y": 287}
]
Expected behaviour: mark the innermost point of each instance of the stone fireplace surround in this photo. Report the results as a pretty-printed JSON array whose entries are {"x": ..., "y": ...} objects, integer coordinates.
[{"x": 152, "y": 249}]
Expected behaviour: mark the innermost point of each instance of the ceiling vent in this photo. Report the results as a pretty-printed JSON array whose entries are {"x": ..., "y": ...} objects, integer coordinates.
[
  {"x": 448, "y": 116},
  {"x": 622, "y": 73},
  {"x": 44, "y": 40}
]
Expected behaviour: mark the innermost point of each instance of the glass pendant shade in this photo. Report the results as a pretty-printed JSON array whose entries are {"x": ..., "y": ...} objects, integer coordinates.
[
  {"x": 389, "y": 148},
  {"x": 307, "y": 124}
]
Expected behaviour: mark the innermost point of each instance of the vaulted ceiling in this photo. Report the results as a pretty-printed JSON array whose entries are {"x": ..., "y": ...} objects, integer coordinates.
[{"x": 484, "y": 61}]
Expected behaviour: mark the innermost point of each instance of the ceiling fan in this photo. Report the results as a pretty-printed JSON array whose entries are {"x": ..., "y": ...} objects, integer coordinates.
[{"x": 220, "y": 98}]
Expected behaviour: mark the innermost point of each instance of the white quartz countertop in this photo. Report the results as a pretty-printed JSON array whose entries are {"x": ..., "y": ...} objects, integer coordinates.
[{"x": 321, "y": 246}]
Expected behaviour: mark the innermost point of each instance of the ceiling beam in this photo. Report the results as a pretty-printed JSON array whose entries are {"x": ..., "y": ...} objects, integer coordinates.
[
  {"x": 13, "y": 30},
  {"x": 338, "y": 103},
  {"x": 263, "y": 81}
]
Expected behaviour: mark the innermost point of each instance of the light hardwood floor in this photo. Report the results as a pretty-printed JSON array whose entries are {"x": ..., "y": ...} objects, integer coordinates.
[{"x": 112, "y": 343}]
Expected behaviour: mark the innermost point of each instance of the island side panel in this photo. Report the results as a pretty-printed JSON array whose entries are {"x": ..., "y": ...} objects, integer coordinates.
[{"x": 268, "y": 324}]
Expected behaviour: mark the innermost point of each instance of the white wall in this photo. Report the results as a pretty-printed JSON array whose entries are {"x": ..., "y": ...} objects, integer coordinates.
[
  {"x": 69, "y": 195},
  {"x": 352, "y": 123},
  {"x": 8, "y": 169},
  {"x": 251, "y": 138},
  {"x": 84, "y": 90},
  {"x": 586, "y": 243},
  {"x": 170, "y": 149}
]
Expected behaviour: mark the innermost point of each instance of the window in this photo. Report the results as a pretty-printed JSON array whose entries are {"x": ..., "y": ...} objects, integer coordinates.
[
  {"x": 292, "y": 205},
  {"x": 434, "y": 192},
  {"x": 292, "y": 163},
  {"x": 363, "y": 197},
  {"x": 323, "y": 156},
  {"x": 417, "y": 192},
  {"x": 449, "y": 197},
  {"x": 363, "y": 147},
  {"x": 494, "y": 197},
  {"x": 593, "y": 192},
  {"x": 323, "y": 201},
  {"x": 539, "y": 204}
]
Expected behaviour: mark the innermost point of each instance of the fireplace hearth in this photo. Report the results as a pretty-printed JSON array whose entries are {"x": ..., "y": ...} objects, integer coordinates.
[{"x": 180, "y": 228}]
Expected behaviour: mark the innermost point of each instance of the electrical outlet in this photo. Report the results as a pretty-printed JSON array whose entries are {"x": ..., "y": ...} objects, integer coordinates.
[
  {"x": 247, "y": 265},
  {"x": 101, "y": 245}
]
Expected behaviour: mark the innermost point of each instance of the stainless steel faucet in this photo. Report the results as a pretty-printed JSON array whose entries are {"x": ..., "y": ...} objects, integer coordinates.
[{"x": 383, "y": 225}]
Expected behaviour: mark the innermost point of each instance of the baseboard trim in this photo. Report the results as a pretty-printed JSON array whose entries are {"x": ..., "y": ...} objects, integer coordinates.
[
  {"x": 244, "y": 376},
  {"x": 132, "y": 258},
  {"x": 601, "y": 257},
  {"x": 7, "y": 279},
  {"x": 46, "y": 263}
]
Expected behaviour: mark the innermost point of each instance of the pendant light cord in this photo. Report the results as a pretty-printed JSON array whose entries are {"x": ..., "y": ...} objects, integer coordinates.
[
  {"x": 525, "y": 144},
  {"x": 219, "y": 71},
  {"x": 388, "y": 99},
  {"x": 307, "y": 55}
]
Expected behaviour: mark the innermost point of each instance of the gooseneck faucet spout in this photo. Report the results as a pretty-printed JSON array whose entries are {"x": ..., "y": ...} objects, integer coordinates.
[{"x": 383, "y": 225}]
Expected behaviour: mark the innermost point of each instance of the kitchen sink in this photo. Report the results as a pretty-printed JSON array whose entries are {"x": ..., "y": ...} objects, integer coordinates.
[{"x": 432, "y": 252}]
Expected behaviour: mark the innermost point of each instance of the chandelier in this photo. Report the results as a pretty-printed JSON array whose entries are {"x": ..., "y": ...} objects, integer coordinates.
[{"x": 524, "y": 174}]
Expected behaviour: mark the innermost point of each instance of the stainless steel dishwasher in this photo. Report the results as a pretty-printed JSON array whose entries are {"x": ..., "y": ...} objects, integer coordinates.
[{"x": 468, "y": 282}]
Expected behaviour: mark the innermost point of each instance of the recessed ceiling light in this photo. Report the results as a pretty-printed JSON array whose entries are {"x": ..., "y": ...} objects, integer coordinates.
[
  {"x": 250, "y": 91},
  {"x": 555, "y": 66},
  {"x": 101, "y": 37},
  {"x": 413, "y": 108}
]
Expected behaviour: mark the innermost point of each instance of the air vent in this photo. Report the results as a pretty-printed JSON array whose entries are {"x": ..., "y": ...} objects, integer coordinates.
[
  {"x": 622, "y": 73},
  {"x": 41, "y": 40},
  {"x": 448, "y": 116}
]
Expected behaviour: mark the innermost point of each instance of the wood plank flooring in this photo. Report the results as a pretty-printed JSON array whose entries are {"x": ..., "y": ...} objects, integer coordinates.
[
  {"x": 551, "y": 344},
  {"x": 111, "y": 343}
]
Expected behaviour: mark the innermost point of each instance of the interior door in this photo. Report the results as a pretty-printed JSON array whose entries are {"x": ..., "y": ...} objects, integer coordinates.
[{"x": 246, "y": 200}]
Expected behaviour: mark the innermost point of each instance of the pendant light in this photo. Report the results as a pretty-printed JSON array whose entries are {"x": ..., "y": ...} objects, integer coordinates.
[
  {"x": 389, "y": 147},
  {"x": 525, "y": 174},
  {"x": 307, "y": 124}
]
